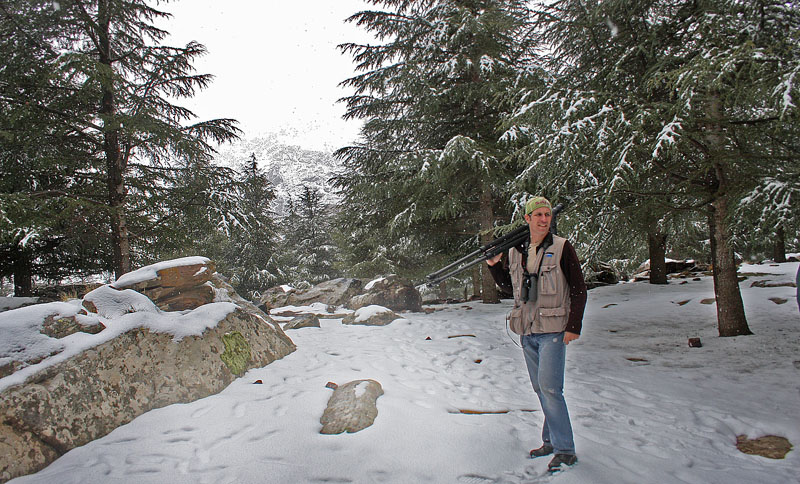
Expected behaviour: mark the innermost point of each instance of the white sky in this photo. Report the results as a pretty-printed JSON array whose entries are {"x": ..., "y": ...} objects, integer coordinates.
[{"x": 275, "y": 63}]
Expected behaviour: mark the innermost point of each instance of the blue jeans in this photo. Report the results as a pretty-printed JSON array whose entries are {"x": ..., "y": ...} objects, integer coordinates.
[{"x": 545, "y": 355}]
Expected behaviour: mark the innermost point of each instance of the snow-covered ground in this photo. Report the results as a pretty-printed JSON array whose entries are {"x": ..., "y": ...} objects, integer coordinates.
[{"x": 646, "y": 408}]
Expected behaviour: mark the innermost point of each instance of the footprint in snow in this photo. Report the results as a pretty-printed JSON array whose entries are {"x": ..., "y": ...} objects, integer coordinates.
[{"x": 475, "y": 479}]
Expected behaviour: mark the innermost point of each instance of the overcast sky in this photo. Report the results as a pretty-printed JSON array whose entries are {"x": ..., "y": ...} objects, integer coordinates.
[{"x": 275, "y": 63}]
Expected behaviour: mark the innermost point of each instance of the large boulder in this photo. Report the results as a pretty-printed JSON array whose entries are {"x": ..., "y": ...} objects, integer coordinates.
[
  {"x": 275, "y": 297},
  {"x": 392, "y": 291},
  {"x": 600, "y": 274},
  {"x": 371, "y": 316},
  {"x": 683, "y": 268},
  {"x": 173, "y": 285},
  {"x": 335, "y": 292},
  {"x": 86, "y": 396},
  {"x": 302, "y": 321}
]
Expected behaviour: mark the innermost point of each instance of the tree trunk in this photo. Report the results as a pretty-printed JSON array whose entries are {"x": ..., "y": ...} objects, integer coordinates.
[
  {"x": 657, "y": 248},
  {"x": 23, "y": 273},
  {"x": 443, "y": 291},
  {"x": 779, "y": 249},
  {"x": 731, "y": 320},
  {"x": 477, "y": 280},
  {"x": 115, "y": 163},
  {"x": 486, "y": 214}
]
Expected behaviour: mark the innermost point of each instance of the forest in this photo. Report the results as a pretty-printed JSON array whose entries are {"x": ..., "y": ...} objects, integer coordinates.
[{"x": 667, "y": 128}]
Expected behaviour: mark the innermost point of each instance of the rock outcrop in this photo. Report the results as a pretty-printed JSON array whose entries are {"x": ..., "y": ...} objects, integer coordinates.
[
  {"x": 336, "y": 292},
  {"x": 392, "y": 292},
  {"x": 175, "y": 287},
  {"x": 303, "y": 321},
  {"x": 71, "y": 403},
  {"x": 600, "y": 274},
  {"x": 371, "y": 316}
]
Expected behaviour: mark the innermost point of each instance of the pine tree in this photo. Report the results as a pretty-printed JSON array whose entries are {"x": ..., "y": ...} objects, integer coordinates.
[
  {"x": 427, "y": 176},
  {"x": 244, "y": 246},
  {"x": 308, "y": 252},
  {"x": 110, "y": 90},
  {"x": 123, "y": 82},
  {"x": 48, "y": 184},
  {"x": 691, "y": 101}
]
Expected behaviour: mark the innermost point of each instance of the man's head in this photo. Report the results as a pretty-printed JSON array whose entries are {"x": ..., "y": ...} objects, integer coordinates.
[
  {"x": 536, "y": 203},
  {"x": 538, "y": 215}
]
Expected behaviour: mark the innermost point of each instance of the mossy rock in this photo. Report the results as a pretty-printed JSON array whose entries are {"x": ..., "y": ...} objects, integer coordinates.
[{"x": 237, "y": 352}]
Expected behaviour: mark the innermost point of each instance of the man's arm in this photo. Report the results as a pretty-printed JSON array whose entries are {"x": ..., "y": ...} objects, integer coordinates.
[
  {"x": 500, "y": 273},
  {"x": 571, "y": 267}
]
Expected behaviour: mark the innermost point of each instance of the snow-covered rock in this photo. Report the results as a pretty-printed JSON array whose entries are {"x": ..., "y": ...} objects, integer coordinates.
[
  {"x": 69, "y": 386},
  {"x": 372, "y": 315},
  {"x": 392, "y": 292},
  {"x": 335, "y": 292}
]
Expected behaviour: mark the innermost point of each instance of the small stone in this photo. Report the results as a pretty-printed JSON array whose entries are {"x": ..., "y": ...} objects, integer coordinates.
[
  {"x": 695, "y": 343},
  {"x": 770, "y": 446}
]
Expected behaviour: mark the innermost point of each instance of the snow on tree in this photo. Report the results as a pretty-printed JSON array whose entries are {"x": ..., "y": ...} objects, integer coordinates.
[
  {"x": 679, "y": 106},
  {"x": 428, "y": 173}
]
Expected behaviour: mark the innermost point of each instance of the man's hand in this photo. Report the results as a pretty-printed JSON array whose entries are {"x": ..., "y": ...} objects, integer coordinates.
[
  {"x": 570, "y": 337},
  {"x": 494, "y": 260}
]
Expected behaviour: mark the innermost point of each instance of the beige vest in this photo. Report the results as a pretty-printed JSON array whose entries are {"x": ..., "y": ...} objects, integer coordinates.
[{"x": 550, "y": 312}]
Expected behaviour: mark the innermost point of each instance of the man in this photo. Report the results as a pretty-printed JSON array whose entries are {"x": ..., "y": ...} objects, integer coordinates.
[{"x": 545, "y": 277}]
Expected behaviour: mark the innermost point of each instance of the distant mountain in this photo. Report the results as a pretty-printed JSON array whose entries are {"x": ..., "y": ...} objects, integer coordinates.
[{"x": 288, "y": 167}]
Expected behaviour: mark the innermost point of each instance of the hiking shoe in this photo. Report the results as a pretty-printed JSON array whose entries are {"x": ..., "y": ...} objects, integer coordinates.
[
  {"x": 561, "y": 461},
  {"x": 545, "y": 449}
]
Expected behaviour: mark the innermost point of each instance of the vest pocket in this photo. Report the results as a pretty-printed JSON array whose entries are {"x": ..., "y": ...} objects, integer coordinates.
[
  {"x": 548, "y": 280},
  {"x": 514, "y": 319},
  {"x": 552, "y": 319}
]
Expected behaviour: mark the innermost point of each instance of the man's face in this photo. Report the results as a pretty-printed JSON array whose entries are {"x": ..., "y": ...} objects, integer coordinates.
[{"x": 539, "y": 221}]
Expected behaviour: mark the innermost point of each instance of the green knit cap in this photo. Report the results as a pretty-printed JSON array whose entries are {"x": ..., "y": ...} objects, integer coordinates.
[{"x": 537, "y": 203}]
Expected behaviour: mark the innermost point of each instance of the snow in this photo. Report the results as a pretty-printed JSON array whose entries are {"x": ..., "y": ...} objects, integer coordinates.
[
  {"x": 317, "y": 308},
  {"x": 9, "y": 302},
  {"x": 669, "y": 133},
  {"x": 646, "y": 408},
  {"x": 372, "y": 283},
  {"x": 361, "y": 389},
  {"x": 118, "y": 310},
  {"x": 365, "y": 313}
]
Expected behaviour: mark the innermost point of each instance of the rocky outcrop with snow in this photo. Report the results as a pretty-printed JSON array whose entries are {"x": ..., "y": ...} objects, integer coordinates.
[
  {"x": 372, "y": 315},
  {"x": 89, "y": 367},
  {"x": 335, "y": 292},
  {"x": 391, "y": 291}
]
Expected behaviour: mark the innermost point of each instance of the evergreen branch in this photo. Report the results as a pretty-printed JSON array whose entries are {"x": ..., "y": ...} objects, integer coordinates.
[{"x": 61, "y": 193}]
